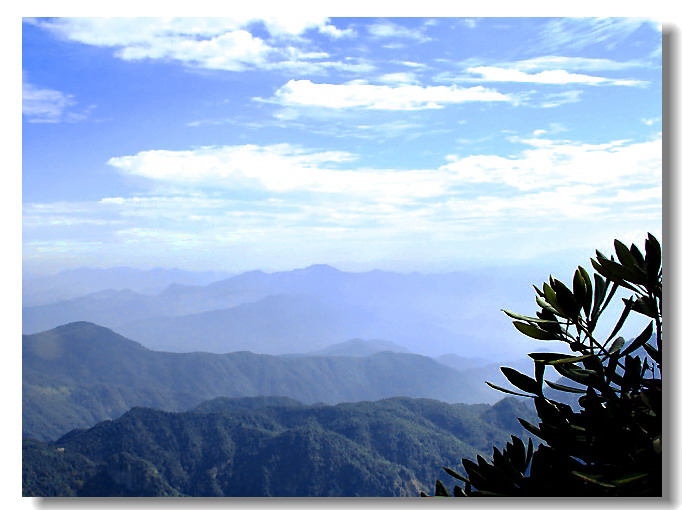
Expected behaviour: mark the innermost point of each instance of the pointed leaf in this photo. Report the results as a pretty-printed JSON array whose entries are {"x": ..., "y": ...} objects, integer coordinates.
[
  {"x": 441, "y": 490},
  {"x": 561, "y": 387},
  {"x": 653, "y": 353},
  {"x": 617, "y": 345},
  {"x": 566, "y": 300},
  {"x": 546, "y": 306},
  {"x": 505, "y": 390},
  {"x": 638, "y": 342},
  {"x": 591, "y": 479},
  {"x": 653, "y": 258},
  {"x": 620, "y": 274},
  {"x": 625, "y": 256},
  {"x": 646, "y": 306},
  {"x": 533, "y": 331},
  {"x": 587, "y": 305},
  {"x": 571, "y": 359},
  {"x": 579, "y": 288},
  {"x": 522, "y": 381},
  {"x": 624, "y": 315},
  {"x": 515, "y": 315},
  {"x": 455, "y": 474},
  {"x": 547, "y": 357}
]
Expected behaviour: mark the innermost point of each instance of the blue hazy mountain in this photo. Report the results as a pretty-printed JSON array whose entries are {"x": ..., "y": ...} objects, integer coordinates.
[
  {"x": 305, "y": 310},
  {"x": 72, "y": 283},
  {"x": 357, "y": 347},
  {"x": 79, "y": 374}
]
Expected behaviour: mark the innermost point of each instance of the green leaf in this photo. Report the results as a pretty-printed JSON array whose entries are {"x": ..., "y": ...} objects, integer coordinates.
[
  {"x": 621, "y": 320},
  {"x": 522, "y": 381},
  {"x": 625, "y": 256},
  {"x": 534, "y": 331},
  {"x": 455, "y": 474},
  {"x": 600, "y": 289},
  {"x": 620, "y": 274},
  {"x": 579, "y": 288},
  {"x": 550, "y": 297},
  {"x": 505, "y": 390},
  {"x": 571, "y": 359},
  {"x": 546, "y": 306},
  {"x": 441, "y": 490},
  {"x": 652, "y": 259},
  {"x": 638, "y": 342},
  {"x": 561, "y": 387},
  {"x": 591, "y": 479},
  {"x": 646, "y": 306},
  {"x": 530, "y": 427},
  {"x": 547, "y": 357},
  {"x": 566, "y": 300},
  {"x": 653, "y": 353},
  {"x": 617, "y": 345},
  {"x": 515, "y": 315},
  {"x": 587, "y": 303},
  {"x": 576, "y": 374}
]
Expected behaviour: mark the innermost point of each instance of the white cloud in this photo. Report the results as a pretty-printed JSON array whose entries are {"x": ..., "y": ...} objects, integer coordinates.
[
  {"x": 544, "y": 170},
  {"x": 578, "y": 33},
  {"x": 387, "y": 29},
  {"x": 276, "y": 168},
  {"x": 43, "y": 105},
  {"x": 398, "y": 78},
  {"x": 573, "y": 63},
  {"x": 560, "y": 98},
  {"x": 359, "y": 94},
  {"x": 550, "y": 77},
  {"x": 554, "y": 163},
  {"x": 213, "y": 43}
]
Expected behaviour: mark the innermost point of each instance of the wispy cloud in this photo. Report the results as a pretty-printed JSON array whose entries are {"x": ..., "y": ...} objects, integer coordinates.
[
  {"x": 549, "y": 62},
  {"x": 390, "y": 30},
  {"x": 360, "y": 94},
  {"x": 553, "y": 163},
  {"x": 579, "y": 33},
  {"x": 211, "y": 43},
  {"x": 44, "y": 105},
  {"x": 550, "y": 77}
]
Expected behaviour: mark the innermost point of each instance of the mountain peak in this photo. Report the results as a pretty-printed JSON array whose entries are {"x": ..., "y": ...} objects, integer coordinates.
[{"x": 321, "y": 268}]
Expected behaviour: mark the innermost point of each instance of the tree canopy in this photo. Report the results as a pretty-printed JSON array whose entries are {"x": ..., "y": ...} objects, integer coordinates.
[{"x": 610, "y": 443}]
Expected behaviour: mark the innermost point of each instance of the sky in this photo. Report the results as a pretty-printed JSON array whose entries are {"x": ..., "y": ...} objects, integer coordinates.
[{"x": 405, "y": 144}]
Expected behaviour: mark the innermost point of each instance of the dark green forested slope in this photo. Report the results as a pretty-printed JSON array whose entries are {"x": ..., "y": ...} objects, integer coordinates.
[
  {"x": 268, "y": 447},
  {"x": 79, "y": 374}
]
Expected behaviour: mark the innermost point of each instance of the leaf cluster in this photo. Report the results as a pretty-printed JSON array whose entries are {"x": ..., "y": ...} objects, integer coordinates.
[{"x": 611, "y": 445}]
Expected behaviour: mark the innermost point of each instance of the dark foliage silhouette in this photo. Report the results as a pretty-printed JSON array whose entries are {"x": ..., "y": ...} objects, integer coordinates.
[{"x": 611, "y": 444}]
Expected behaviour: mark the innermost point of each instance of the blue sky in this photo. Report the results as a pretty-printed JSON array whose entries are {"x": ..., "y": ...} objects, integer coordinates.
[{"x": 427, "y": 144}]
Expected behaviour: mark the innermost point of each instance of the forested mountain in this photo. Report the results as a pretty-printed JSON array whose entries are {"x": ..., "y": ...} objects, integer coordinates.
[
  {"x": 304, "y": 310},
  {"x": 79, "y": 374},
  {"x": 269, "y": 447}
]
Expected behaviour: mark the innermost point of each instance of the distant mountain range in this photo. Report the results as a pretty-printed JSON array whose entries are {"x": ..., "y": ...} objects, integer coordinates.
[
  {"x": 72, "y": 283},
  {"x": 306, "y": 310},
  {"x": 270, "y": 447},
  {"x": 357, "y": 347},
  {"x": 79, "y": 374}
]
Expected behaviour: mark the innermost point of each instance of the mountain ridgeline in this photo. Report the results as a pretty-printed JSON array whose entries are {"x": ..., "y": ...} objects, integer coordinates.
[
  {"x": 267, "y": 446},
  {"x": 79, "y": 374},
  {"x": 302, "y": 310}
]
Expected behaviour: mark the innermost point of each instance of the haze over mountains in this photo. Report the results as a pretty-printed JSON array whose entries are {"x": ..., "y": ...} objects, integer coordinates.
[
  {"x": 225, "y": 388},
  {"x": 79, "y": 374},
  {"x": 72, "y": 283},
  {"x": 305, "y": 310}
]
